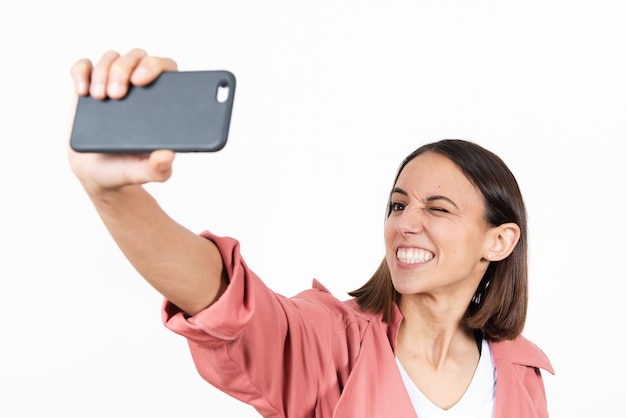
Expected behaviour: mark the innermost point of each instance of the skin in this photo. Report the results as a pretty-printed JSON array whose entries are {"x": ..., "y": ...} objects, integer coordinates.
[
  {"x": 437, "y": 210},
  {"x": 183, "y": 267}
]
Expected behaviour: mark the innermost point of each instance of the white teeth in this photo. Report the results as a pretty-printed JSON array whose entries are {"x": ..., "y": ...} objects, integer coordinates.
[{"x": 413, "y": 255}]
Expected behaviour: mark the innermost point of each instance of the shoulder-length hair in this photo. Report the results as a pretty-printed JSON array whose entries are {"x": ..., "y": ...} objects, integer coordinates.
[{"x": 500, "y": 303}]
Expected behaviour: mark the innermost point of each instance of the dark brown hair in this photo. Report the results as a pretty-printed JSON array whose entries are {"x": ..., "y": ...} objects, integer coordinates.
[{"x": 500, "y": 303}]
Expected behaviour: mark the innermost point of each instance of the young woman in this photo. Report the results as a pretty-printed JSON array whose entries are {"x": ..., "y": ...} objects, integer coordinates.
[{"x": 435, "y": 332}]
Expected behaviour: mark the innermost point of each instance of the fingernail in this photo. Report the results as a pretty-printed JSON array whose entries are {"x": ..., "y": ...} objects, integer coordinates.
[
  {"x": 98, "y": 90},
  {"x": 82, "y": 87},
  {"x": 141, "y": 73},
  {"x": 114, "y": 88}
]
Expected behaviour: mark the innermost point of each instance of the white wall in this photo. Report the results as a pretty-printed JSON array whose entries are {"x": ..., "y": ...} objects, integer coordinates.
[{"x": 330, "y": 97}]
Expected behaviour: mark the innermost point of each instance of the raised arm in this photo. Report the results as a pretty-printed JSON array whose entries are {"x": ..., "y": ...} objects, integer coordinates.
[{"x": 184, "y": 267}]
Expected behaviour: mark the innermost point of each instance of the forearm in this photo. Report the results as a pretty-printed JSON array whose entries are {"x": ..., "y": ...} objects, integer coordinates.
[{"x": 184, "y": 267}]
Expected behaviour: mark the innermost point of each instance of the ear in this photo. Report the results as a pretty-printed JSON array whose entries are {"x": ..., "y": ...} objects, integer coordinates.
[{"x": 502, "y": 241}]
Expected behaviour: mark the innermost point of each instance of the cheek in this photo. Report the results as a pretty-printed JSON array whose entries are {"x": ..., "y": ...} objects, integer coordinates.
[
  {"x": 467, "y": 247},
  {"x": 389, "y": 232}
]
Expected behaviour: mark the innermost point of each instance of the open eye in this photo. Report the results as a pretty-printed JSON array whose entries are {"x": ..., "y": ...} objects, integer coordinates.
[{"x": 396, "y": 206}]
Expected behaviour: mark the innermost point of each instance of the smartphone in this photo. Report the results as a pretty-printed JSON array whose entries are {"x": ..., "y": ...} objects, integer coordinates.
[{"x": 183, "y": 111}]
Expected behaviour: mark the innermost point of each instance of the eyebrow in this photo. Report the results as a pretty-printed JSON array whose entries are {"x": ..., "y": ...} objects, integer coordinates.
[{"x": 428, "y": 199}]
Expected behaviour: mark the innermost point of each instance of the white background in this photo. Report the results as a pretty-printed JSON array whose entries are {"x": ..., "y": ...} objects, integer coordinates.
[{"x": 331, "y": 95}]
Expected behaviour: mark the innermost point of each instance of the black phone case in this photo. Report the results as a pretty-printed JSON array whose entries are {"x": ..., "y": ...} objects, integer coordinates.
[{"x": 183, "y": 111}]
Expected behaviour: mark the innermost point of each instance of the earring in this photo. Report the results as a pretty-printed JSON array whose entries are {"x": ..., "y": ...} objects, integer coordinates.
[{"x": 489, "y": 256}]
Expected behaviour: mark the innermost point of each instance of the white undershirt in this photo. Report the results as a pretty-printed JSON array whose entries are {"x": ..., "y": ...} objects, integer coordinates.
[{"x": 477, "y": 401}]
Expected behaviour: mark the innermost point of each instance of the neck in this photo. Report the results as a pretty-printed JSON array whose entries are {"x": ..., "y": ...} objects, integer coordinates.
[{"x": 433, "y": 331}]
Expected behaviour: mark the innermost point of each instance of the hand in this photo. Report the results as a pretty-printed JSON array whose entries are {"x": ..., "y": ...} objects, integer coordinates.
[{"x": 110, "y": 77}]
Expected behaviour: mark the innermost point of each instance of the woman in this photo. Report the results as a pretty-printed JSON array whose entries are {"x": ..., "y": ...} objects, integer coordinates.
[{"x": 435, "y": 332}]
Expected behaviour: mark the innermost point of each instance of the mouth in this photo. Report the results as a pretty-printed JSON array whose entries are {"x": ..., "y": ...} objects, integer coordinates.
[{"x": 413, "y": 255}]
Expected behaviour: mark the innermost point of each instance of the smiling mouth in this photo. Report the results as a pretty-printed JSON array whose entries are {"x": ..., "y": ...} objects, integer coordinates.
[{"x": 413, "y": 255}]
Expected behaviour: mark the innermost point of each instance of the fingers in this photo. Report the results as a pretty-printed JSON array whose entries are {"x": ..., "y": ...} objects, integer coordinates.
[
  {"x": 101, "y": 80},
  {"x": 149, "y": 68},
  {"x": 112, "y": 74},
  {"x": 81, "y": 75}
]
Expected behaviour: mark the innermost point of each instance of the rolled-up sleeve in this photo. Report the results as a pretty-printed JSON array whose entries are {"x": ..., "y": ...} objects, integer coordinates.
[
  {"x": 265, "y": 349},
  {"x": 227, "y": 317}
]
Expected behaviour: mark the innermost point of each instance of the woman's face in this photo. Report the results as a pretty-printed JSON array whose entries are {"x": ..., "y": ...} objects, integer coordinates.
[{"x": 436, "y": 236}]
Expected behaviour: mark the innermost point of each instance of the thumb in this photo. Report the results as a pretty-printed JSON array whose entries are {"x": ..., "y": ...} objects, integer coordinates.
[{"x": 161, "y": 162}]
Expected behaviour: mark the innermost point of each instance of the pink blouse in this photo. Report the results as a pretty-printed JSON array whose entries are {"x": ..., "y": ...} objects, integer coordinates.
[{"x": 313, "y": 355}]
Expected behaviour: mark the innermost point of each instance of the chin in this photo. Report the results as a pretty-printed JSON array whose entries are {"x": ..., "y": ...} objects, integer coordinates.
[{"x": 404, "y": 287}]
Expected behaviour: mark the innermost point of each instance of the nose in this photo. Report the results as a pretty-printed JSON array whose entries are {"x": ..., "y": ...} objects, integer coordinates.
[{"x": 410, "y": 221}]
